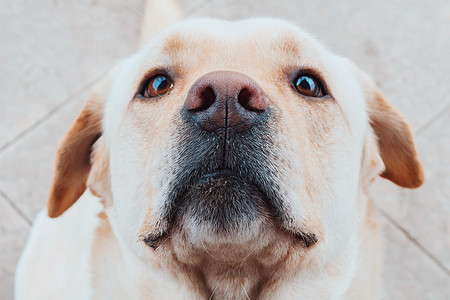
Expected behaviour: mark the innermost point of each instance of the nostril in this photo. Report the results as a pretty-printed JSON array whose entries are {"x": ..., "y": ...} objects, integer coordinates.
[
  {"x": 244, "y": 98},
  {"x": 205, "y": 99},
  {"x": 248, "y": 100}
]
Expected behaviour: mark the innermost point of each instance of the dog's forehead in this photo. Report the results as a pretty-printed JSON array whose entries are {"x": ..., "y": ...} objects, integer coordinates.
[
  {"x": 240, "y": 35},
  {"x": 228, "y": 44}
]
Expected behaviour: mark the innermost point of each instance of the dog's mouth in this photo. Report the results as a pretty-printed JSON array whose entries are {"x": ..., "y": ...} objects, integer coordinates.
[
  {"x": 226, "y": 187},
  {"x": 225, "y": 204}
]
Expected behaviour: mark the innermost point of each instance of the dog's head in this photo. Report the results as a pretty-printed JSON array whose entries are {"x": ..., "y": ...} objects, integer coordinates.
[{"x": 237, "y": 140}]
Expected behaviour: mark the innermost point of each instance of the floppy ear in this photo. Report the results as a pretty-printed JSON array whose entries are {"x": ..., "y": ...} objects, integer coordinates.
[
  {"x": 395, "y": 142},
  {"x": 73, "y": 158}
]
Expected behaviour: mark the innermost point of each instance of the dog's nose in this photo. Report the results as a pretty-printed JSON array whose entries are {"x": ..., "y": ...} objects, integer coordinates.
[{"x": 226, "y": 99}]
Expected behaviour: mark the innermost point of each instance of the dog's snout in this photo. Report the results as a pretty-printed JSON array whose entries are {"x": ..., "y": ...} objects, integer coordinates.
[{"x": 226, "y": 99}]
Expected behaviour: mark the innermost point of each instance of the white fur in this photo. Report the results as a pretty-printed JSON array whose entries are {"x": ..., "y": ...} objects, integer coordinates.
[{"x": 81, "y": 255}]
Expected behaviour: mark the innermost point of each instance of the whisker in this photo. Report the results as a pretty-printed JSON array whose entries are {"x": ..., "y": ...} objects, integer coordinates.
[
  {"x": 246, "y": 295},
  {"x": 214, "y": 290},
  {"x": 204, "y": 248}
]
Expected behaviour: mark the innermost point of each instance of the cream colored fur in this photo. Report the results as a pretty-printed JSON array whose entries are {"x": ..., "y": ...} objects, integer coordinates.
[{"x": 328, "y": 153}]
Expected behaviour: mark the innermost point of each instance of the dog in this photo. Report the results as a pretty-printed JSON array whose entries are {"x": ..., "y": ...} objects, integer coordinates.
[{"x": 224, "y": 160}]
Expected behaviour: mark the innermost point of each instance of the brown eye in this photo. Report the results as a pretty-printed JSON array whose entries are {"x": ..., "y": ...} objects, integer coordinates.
[
  {"x": 157, "y": 86},
  {"x": 308, "y": 86}
]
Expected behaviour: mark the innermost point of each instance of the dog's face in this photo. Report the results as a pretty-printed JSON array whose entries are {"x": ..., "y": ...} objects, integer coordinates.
[{"x": 238, "y": 141}]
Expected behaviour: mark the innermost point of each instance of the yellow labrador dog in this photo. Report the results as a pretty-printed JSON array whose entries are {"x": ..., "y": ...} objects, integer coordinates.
[{"x": 224, "y": 160}]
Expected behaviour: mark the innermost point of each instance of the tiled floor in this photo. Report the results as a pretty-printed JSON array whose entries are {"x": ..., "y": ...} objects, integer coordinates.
[{"x": 52, "y": 52}]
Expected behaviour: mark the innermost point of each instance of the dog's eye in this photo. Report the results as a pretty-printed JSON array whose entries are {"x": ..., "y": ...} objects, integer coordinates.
[
  {"x": 308, "y": 86},
  {"x": 156, "y": 86}
]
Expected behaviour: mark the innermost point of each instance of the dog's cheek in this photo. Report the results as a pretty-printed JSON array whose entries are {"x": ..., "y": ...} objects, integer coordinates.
[
  {"x": 140, "y": 173},
  {"x": 130, "y": 193},
  {"x": 323, "y": 174},
  {"x": 303, "y": 154}
]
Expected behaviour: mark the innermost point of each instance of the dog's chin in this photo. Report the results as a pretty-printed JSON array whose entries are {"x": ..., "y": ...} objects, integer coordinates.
[
  {"x": 223, "y": 216},
  {"x": 223, "y": 207}
]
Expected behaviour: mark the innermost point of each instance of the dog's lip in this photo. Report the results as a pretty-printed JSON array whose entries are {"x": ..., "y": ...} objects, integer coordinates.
[{"x": 222, "y": 173}]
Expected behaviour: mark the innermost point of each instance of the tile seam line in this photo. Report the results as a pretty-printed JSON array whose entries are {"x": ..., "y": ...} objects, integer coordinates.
[
  {"x": 189, "y": 13},
  {"x": 48, "y": 115},
  {"x": 186, "y": 14},
  {"x": 15, "y": 208},
  {"x": 432, "y": 120},
  {"x": 415, "y": 242}
]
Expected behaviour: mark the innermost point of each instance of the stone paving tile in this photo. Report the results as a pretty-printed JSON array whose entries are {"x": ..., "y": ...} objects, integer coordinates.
[
  {"x": 407, "y": 273},
  {"x": 425, "y": 212},
  {"x": 56, "y": 48},
  {"x": 26, "y": 167},
  {"x": 400, "y": 43},
  {"x": 13, "y": 233}
]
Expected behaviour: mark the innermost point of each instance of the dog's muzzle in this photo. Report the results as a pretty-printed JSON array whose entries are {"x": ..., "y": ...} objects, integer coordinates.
[{"x": 226, "y": 176}]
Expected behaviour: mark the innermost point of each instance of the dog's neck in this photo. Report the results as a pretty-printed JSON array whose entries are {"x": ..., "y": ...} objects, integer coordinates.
[
  {"x": 210, "y": 279},
  {"x": 122, "y": 274}
]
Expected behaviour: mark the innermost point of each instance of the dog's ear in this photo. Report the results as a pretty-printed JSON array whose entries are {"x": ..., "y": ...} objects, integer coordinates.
[
  {"x": 73, "y": 158},
  {"x": 395, "y": 141}
]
